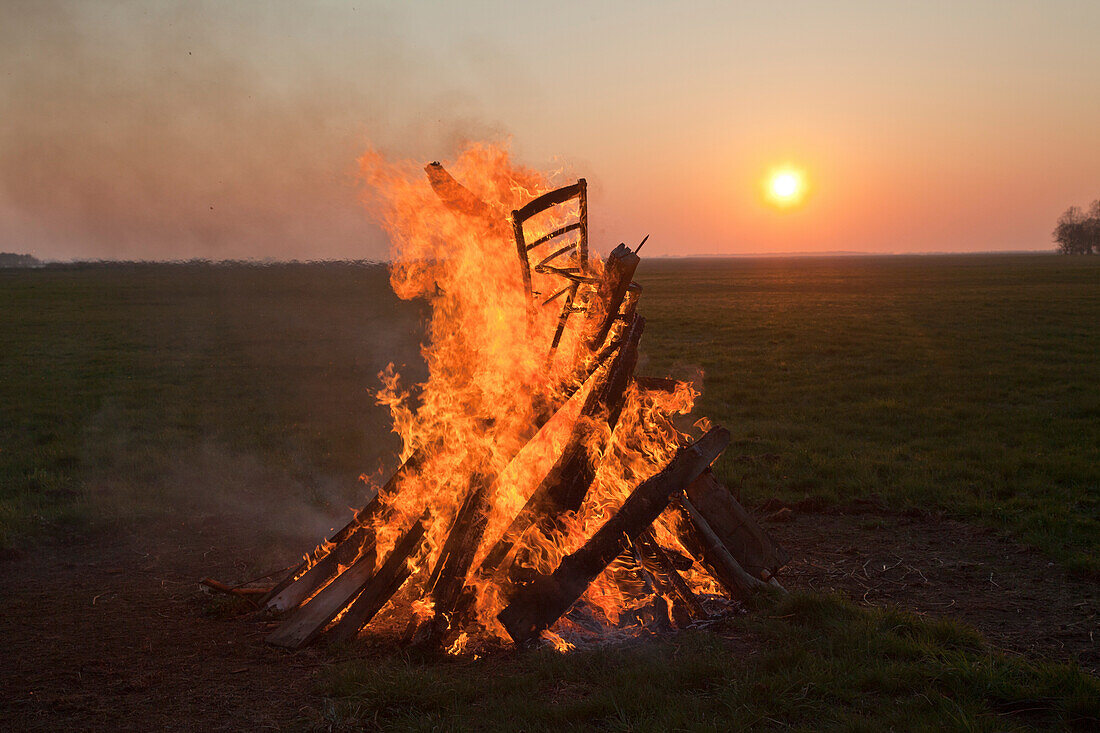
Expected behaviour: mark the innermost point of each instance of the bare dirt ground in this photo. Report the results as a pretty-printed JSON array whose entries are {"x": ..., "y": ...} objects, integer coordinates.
[
  {"x": 1019, "y": 599},
  {"x": 115, "y": 634}
]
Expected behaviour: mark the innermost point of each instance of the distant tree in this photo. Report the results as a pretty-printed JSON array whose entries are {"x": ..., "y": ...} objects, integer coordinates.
[
  {"x": 11, "y": 259},
  {"x": 1078, "y": 233},
  {"x": 1092, "y": 222}
]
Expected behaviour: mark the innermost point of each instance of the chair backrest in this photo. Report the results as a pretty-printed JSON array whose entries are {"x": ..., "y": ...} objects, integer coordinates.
[{"x": 547, "y": 255}]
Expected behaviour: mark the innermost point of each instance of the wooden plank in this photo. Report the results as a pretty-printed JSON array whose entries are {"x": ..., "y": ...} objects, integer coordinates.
[
  {"x": 305, "y": 622},
  {"x": 539, "y": 604},
  {"x": 685, "y": 605},
  {"x": 355, "y": 539},
  {"x": 380, "y": 587},
  {"x": 746, "y": 540},
  {"x": 459, "y": 198},
  {"x": 448, "y": 578},
  {"x": 618, "y": 272},
  {"x": 568, "y": 481},
  {"x": 701, "y": 540}
]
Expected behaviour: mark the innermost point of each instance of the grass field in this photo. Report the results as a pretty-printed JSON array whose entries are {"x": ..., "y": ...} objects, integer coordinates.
[
  {"x": 967, "y": 384},
  {"x": 123, "y": 379},
  {"x": 964, "y": 384},
  {"x": 823, "y": 665}
]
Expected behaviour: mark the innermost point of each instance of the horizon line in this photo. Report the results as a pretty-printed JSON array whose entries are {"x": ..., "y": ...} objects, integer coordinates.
[{"x": 802, "y": 254}]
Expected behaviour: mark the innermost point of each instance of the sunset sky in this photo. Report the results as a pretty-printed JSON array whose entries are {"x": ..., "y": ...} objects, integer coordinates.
[{"x": 231, "y": 130}]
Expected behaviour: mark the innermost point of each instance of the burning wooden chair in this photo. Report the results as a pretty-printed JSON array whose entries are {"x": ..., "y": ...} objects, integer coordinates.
[
  {"x": 550, "y": 256},
  {"x": 345, "y": 582}
]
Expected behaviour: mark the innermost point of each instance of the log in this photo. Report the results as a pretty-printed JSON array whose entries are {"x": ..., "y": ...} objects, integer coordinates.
[
  {"x": 230, "y": 590},
  {"x": 348, "y": 543},
  {"x": 305, "y": 622},
  {"x": 382, "y": 585},
  {"x": 574, "y": 385},
  {"x": 747, "y": 541},
  {"x": 621, "y": 371},
  {"x": 618, "y": 271},
  {"x": 672, "y": 584},
  {"x": 354, "y": 540},
  {"x": 459, "y": 198},
  {"x": 658, "y": 384},
  {"x": 538, "y": 605},
  {"x": 569, "y": 480},
  {"x": 666, "y": 611},
  {"x": 712, "y": 553},
  {"x": 567, "y": 483},
  {"x": 448, "y": 578}
]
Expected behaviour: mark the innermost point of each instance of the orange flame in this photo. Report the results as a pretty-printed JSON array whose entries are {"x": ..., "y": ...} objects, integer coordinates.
[{"x": 490, "y": 379}]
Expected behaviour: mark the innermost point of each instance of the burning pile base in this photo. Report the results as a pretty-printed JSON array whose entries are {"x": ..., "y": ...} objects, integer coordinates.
[{"x": 538, "y": 469}]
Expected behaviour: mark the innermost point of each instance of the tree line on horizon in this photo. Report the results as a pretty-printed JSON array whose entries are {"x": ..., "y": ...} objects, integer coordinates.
[
  {"x": 13, "y": 259},
  {"x": 1078, "y": 231}
]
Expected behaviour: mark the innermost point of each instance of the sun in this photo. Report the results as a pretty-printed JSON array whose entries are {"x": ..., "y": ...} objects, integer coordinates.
[{"x": 786, "y": 186}]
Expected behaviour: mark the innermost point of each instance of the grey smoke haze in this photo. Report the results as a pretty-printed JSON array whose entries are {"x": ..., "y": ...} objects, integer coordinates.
[
  {"x": 151, "y": 131},
  {"x": 920, "y": 127}
]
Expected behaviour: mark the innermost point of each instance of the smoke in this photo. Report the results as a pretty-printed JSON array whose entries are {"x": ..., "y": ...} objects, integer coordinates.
[
  {"x": 250, "y": 409},
  {"x": 154, "y": 131}
]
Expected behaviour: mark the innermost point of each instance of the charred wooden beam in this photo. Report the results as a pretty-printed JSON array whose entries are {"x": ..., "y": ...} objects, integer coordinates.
[
  {"x": 701, "y": 540},
  {"x": 684, "y": 602},
  {"x": 567, "y": 483},
  {"x": 459, "y": 198},
  {"x": 618, "y": 272},
  {"x": 354, "y": 540},
  {"x": 348, "y": 544},
  {"x": 305, "y": 622},
  {"x": 448, "y": 578},
  {"x": 585, "y": 372},
  {"x": 746, "y": 540},
  {"x": 382, "y": 585},
  {"x": 538, "y": 605},
  {"x": 658, "y": 384}
]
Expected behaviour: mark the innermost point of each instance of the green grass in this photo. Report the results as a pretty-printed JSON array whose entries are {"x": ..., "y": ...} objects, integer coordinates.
[
  {"x": 964, "y": 384},
  {"x": 812, "y": 662},
  {"x": 969, "y": 384},
  {"x": 120, "y": 383}
]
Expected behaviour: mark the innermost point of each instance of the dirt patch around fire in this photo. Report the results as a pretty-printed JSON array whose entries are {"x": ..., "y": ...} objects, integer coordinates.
[
  {"x": 114, "y": 633},
  {"x": 1018, "y": 598}
]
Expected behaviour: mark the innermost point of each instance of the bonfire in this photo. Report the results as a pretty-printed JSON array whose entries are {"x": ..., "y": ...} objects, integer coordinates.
[{"x": 544, "y": 489}]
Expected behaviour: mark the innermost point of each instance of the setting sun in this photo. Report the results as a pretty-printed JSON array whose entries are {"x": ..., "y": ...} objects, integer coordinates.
[{"x": 785, "y": 187}]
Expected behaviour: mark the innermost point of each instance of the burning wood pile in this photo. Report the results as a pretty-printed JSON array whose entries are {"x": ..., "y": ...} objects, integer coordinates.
[{"x": 538, "y": 470}]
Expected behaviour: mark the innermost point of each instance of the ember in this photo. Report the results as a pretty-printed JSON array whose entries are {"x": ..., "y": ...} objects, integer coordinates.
[{"x": 538, "y": 470}]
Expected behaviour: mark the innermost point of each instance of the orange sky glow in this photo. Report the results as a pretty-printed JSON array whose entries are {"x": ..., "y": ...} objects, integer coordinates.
[{"x": 161, "y": 130}]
